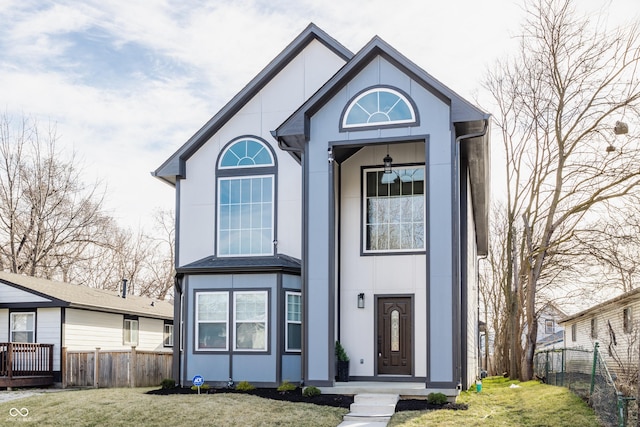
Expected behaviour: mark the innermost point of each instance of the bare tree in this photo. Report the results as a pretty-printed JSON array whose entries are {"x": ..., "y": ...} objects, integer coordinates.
[
  {"x": 557, "y": 103},
  {"x": 47, "y": 214}
]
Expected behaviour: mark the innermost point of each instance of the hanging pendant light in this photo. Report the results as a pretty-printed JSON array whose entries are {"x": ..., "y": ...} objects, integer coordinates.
[{"x": 387, "y": 162}]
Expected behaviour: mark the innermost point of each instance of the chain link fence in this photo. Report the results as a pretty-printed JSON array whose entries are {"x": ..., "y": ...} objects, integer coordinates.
[{"x": 586, "y": 374}]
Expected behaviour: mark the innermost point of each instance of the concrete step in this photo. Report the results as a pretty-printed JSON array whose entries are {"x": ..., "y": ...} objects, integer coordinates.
[
  {"x": 365, "y": 419},
  {"x": 373, "y": 409},
  {"x": 363, "y": 424},
  {"x": 376, "y": 399}
]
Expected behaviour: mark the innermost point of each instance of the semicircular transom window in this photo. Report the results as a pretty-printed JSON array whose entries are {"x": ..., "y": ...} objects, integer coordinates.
[
  {"x": 378, "y": 107},
  {"x": 246, "y": 153}
]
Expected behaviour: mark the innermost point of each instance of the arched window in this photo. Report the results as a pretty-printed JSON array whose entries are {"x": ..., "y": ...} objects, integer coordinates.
[
  {"x": 379, "y": 106},
  {"x": 246, "y": 198}
]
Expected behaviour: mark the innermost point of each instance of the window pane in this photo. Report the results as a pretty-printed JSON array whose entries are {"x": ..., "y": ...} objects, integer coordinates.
[
  {"x": 244, "y": 224},
  {"x": 250, "y": 306},
  {"x": 394, "y": 214},
  {"x": 294, "y": 307},
  {"x": 212, "y": 335},
  {"x": 251, "y": 336},
  {"x": 294, "y": 336},
  {"x": 212, "y": 307}
]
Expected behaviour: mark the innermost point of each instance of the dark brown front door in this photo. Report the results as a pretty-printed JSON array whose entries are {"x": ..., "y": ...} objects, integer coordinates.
[{"x": 394, "y": 336}]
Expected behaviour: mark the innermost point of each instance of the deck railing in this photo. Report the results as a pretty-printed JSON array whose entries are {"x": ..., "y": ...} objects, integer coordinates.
[{"x": 25, "y": 359}]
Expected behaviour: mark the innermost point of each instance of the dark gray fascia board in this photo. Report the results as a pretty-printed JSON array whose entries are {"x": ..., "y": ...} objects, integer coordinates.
[
  {"x": 213, "y": 264},
  {"x": 294, "y": 131},
  {"x": 174, "y": 166},
  {"x": 476, "y": 150}
]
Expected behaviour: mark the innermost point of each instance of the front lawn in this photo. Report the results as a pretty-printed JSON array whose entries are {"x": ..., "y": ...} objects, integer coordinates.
[
  {"x": 132, "y": 407},
  {"x": 499, "y": 404}
]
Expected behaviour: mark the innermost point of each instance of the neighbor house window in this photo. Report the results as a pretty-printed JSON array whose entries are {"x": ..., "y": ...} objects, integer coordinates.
[
  {"x": 212, "y": 327},
  {"x": 246, "y": 182},
  {"x": 626, "y": 320},
  {"x": 130, "y": 332},
  {"x": 594, "y": 328},
  {"x": 294, "y": 322},
  {"x": 574, "y": 332},
  {"x": 394, "y": 207},
  {"x": 378, "y": 106},
  {"x": 548, "y": 326},
  {"x": 23, "y": 327},
  {"x": 250, "y": 320},
  {"x": 168, "y": 335}
]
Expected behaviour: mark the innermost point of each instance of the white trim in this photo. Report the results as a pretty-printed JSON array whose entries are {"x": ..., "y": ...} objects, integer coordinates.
[
  {"x": 232, "y": 144},
  {"x": 272, "y": 225},
  {"x": 363, "y": 219},
  {"x": 197, "y": 322},
  {"x": 265, "y": 321},
  {"x": 287, "y": 321},
  {"x": 11, "y": 326},
  {"x": 355, "y": 103}
]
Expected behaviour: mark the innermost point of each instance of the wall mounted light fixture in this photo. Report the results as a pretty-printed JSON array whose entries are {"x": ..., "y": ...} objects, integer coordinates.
[{"x": 360, "y": 300}]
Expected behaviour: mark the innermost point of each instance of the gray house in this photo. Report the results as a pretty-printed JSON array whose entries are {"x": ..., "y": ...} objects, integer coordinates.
[{"x": 338, "y": 196}]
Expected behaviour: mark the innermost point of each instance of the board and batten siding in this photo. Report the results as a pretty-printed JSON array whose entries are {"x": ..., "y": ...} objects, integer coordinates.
[{"x": 88, "y": 330}]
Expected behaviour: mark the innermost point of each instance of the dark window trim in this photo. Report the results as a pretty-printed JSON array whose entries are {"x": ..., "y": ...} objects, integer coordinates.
[
  {"x": 382, "y": 125},
  {"x": 246, "y": 172},
  {"x": 363, "y": 184},
  {"x": 231, "y": 324}
]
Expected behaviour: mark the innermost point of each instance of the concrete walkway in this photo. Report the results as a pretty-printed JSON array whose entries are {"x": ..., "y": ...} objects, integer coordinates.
[{"x": 370, "y": 410}]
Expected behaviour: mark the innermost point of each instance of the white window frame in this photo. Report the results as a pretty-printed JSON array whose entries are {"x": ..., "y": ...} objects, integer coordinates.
[
  {"x": 198, "y": 322},
  {"x": 130, "y": 330},
  {"x": 219, "y": 216},
  {"x": 236, "y": 322},
  {"x": 594, "y": 327},
  {"x": 13, "y": 323},
  {"x": 627, "y": 320},
  {"x": 574, "y": 332},
  {"x": 549, "y": 326},
  {"x": 289, "y": 321},
  {"x": 355, "y": 103},
  {"x": 167, "y": 338}
]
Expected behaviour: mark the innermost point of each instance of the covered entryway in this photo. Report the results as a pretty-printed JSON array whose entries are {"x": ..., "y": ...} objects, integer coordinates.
[{"x": 394, "y": 335}]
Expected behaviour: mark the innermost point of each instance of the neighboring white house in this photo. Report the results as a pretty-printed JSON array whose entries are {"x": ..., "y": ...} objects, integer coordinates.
[
  {"x": 614, "y": 325},
  {"x": 550, "y": 332},
  {"x": 34, "y": 310},
  {"x": 337, "y": 196}
]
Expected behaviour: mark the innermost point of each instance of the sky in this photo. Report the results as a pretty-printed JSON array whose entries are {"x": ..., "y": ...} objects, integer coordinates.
[{"x": 126, "y": 83}]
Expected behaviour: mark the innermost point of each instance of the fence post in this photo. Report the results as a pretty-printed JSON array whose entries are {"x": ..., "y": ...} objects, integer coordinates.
[
  {"x": 10, "y": 364},
  {"x": 593, "y": 370},
  {"x": 63, "y": 366},
  {"x": 562, "y": 360},
  {"x": 546, "y": 367},
  {"x": 132, "y": 367},
  {"x": 96, "y": 368}
]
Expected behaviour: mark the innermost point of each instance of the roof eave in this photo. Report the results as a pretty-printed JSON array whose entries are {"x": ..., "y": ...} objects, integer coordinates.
[{"x": 173, "y": 167}]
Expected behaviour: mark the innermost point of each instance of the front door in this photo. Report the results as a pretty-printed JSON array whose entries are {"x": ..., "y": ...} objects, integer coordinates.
[{"x": 394, "y": 336}]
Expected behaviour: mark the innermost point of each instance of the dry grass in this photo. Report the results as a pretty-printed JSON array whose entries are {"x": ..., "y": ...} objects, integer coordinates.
[
  {"x": 132, "y": 407},
  {"x": 530, "y": 404}
]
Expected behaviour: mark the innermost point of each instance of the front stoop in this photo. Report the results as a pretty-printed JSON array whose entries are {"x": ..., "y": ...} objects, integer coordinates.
[{"x": 371, "y": 410}]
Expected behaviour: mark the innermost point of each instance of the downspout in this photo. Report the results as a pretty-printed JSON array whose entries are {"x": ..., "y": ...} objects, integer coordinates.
[
  {"x": 458, "y": 316},
  {"x": 177, "y": 316}
]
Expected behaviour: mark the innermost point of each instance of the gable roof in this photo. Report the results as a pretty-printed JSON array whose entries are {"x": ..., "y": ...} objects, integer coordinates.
[
  {"x": 471, "y": 124},
  {"x": 173, "y": 167},
  {"x": 76, "y": 296},
  {"x": 615, "y": 302},
  {"x": 213, "y": 264}
]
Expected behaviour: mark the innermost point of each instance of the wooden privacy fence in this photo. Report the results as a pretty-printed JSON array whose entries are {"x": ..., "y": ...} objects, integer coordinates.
[{"x": 124, "y": 368}]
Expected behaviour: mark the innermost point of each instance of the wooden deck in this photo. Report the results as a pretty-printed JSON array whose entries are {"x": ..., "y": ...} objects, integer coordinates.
[{"x": 26, "y": 365}]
